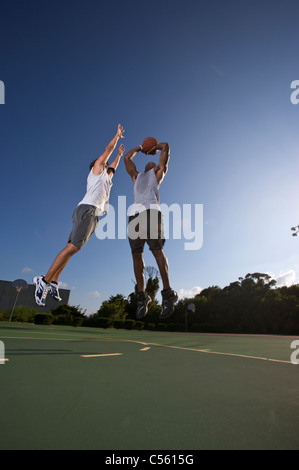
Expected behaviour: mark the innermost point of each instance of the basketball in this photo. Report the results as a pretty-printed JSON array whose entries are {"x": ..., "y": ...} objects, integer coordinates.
[{"x": 148, "y": 144}]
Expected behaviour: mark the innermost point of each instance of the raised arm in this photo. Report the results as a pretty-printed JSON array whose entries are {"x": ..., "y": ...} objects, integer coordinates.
[
  {"x": 162, "y": 168},
  {"x": 130, "y": 166},
  {"x": 112, "y": 168},
  {"x": 100, "y": 163}
]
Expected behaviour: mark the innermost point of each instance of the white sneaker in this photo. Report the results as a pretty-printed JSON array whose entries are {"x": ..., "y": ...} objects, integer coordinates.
[{"x": 41, "y": 290}]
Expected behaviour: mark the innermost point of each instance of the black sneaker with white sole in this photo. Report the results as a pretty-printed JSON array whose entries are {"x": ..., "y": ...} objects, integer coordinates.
[
  {"x": 54, "y": 291},
  {"x": 41, "y": 290},
  {"x": 143, "y": 301},
  {"x": 169, "y": 298}
]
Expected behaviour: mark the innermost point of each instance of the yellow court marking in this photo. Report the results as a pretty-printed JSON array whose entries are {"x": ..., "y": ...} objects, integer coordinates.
[
  {"x": 205, "y": 351},
  {"x": 86, "y": 340},
  {"x": 102, "y": 355}
]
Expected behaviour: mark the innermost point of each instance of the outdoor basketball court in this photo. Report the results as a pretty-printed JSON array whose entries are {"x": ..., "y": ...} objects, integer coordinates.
[{"x": 68, "y": 388}]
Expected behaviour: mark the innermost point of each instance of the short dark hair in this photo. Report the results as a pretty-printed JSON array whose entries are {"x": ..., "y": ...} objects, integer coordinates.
[{"x": 92, "y": 165}]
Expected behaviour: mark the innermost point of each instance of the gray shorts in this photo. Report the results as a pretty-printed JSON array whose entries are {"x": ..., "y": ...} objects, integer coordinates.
[
  {"x": 85, "y": 222},
  {"x": 146, "y": 227}
]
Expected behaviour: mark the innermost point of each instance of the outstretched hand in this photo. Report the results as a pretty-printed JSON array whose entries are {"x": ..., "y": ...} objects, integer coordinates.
[
  {"x": 121, "y": 150},
  {"x": 120, "y": 132}
]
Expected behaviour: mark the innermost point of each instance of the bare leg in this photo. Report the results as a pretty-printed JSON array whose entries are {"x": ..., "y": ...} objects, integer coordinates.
[
  {"x": 60, "y": 262},
  {"x": 139, "y": 271},
  {"x": 56, "y": 277},
  {"x": 163, "y": 267}
]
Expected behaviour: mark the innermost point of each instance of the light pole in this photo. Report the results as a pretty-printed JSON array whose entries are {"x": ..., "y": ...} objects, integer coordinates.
[{"x": 19, "y": 284}]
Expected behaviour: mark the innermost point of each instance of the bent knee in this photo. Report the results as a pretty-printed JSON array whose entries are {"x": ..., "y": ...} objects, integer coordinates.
[{"x": 72, "y": 248}]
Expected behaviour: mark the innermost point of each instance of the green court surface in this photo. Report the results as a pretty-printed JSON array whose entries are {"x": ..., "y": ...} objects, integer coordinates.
[{"x": 83, "y": 388}]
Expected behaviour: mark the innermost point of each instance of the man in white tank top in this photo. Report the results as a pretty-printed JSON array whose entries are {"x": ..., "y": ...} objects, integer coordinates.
[
  {"x": 85, "y": 218},
  {"x": 146, "y": 219}
]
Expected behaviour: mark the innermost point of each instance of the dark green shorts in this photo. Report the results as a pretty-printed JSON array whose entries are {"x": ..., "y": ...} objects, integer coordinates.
[
  {"x": 146, "y": 227},
  {"x": 85, "y": 222}
]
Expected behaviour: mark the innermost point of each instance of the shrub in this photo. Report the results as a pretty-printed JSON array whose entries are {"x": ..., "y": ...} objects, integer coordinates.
[
  {"x": 4, "y": 315},
  {"x": 66, "y": 320},
  {"x": 43, "y": 319},
  {"x": 78, "y": 321},
  {"x": 129, "y": 324},
  {"x": 101, "y": 322},
  {"x": 171, "y": 327},
  {"x": 20, "y": 314},
  {"x": 70, "y": 310},
  {"x": 162, "y": 326},
  {"x": 139, "y": 325},
  {"x": 118, "y": 324}
]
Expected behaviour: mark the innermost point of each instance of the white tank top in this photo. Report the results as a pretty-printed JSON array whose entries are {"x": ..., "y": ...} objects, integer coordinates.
[
  {"x": 146, "y": 192},
  {"x": 98, "y": 191}
]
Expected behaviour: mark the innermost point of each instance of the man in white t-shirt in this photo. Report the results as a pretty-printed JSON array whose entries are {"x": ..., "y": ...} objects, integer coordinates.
[
  {"x": 145, "y": 226},
  {"x": 85, "y": 218}
]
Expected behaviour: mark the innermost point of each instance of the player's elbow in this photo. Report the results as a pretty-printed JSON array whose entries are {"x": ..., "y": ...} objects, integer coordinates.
[{"x": 165, "y": 147}]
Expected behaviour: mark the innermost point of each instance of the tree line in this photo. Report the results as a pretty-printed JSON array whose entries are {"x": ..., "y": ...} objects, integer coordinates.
[{"x": 251, "y": 305}]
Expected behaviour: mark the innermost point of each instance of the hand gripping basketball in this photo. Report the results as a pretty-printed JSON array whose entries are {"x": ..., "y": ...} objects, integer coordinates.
[{"x": 149, "y": 144}]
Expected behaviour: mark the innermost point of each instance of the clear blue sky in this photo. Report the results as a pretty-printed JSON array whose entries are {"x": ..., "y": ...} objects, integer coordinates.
[{"x": 211, "y": 78}]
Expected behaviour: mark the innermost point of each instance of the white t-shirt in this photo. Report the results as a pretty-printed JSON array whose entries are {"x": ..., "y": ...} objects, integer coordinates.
[
  {"x": 146, "y": 192},
  {"x": 98, "y": 191}
]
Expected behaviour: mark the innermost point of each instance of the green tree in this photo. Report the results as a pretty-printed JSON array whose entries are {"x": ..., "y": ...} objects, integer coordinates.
[
  {"x": 113, "y": 308},
  {"x": 68, "y": 315},
  {"x": 152, "y": 287},
  {"x": 68, "y": 310}
]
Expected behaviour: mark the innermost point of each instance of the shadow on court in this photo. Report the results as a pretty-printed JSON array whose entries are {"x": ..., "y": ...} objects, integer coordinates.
[{"x": 77, "y": 388}]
